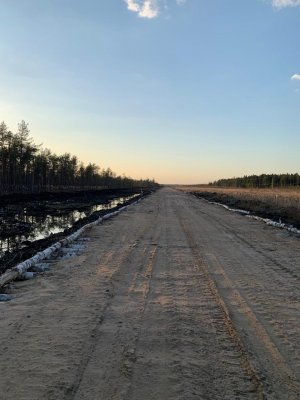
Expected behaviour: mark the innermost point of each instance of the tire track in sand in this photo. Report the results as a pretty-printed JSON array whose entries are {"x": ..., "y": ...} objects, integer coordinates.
[
  {"x": 233, "y": 333},
  {"x": 282, "y": 366}
]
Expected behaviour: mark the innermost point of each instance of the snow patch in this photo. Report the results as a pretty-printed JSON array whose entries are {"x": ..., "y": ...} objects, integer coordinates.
[
  {"x": 267, "y": 221},
  {"x": 280, "y": 225},
  {"x": 236, "y": 210},
  {"x": 5, "y": 297}
]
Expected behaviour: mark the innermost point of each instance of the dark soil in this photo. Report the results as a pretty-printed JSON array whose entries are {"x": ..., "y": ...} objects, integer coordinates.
[
  {"x": 287, "y": 215},
  {"x": 9, "y": 260}
]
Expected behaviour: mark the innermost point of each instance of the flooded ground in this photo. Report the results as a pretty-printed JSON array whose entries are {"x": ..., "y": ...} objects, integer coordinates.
[
  {"x": 21, "y": 225},
  {"x": 28, "y": 227}
]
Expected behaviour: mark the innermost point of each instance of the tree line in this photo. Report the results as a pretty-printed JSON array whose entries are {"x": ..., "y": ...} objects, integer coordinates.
[
  {"x": 260, "y": 181},
  {"x": 27, "y": 167}
]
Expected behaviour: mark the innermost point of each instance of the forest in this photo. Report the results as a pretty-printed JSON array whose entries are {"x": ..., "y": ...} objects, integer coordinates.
[
  {"x": 26, "y": 167},
  {"x": 260, "y": 181}
]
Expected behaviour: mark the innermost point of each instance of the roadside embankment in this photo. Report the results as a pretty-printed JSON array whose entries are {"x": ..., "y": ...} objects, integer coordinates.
[{"x": 276, "y": 204}]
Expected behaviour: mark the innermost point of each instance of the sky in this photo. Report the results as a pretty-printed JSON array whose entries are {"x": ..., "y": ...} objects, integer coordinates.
[{"x": 182, "y": 91}]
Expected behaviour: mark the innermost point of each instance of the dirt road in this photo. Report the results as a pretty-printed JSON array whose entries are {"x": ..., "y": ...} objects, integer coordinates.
[{"x": 173, "y": 299}]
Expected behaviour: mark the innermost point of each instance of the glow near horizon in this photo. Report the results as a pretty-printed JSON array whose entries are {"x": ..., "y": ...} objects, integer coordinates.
[{"x": 179, "y": 91}]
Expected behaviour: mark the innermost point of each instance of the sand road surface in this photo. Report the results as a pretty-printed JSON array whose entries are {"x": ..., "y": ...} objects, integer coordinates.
[{"x": 172, "y": 299}]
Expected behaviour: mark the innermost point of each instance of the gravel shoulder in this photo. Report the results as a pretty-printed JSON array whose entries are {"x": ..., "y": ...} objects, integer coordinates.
[{"x": 173, "y": 299}]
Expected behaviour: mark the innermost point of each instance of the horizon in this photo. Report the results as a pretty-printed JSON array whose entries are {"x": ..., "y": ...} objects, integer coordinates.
[{"x": 173, "y": 90}]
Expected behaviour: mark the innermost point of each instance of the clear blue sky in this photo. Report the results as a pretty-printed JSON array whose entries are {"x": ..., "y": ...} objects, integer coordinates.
[{"x": 180, "y": 91}]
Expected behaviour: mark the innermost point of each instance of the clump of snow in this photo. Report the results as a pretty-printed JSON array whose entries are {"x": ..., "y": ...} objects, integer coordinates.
[
  {"x": 280, "y": 225},
  {"x": 27, "y": 275},
  {"x": 236, "y": 210},
  {"x": 5, "y": 297}
]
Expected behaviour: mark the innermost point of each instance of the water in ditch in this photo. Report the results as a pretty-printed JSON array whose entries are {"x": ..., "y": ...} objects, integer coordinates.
[{"x": 23, "y": 225}]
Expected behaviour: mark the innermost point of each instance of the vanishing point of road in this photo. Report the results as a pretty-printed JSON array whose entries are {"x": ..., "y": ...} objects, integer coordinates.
[{"x": 173, "y": 299}]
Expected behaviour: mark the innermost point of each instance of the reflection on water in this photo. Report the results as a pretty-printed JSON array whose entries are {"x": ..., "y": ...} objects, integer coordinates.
[{"x": 37, "y": 227}]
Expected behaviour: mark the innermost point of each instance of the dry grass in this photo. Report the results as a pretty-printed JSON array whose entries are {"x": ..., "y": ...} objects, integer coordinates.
[
  {"x": 283, "y": 203},
  {"x": 279, "y": 197}
]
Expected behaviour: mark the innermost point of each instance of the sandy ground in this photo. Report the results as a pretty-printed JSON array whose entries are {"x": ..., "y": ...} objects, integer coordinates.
[{"x": 173, "y": 299}]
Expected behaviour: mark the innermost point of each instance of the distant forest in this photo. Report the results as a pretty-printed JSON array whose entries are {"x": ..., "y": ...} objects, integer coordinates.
[
  {"x": 26, "y": 167},
  {"x": 260, "y": 181}
]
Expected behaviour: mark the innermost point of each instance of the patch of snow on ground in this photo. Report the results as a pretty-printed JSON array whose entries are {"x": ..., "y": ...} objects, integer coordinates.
[{"x": 267, "y": 221}]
